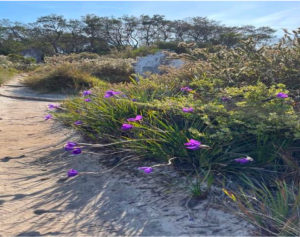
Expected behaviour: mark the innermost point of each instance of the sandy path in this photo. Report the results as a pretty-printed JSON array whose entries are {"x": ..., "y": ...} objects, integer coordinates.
[{"x": 33, "y": 202}]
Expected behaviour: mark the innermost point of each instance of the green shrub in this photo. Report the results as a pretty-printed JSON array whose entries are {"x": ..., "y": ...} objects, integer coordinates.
[
  {"x": 248, "y": 63},
  {"x": 4, "y": 62},
  {"x": 173, "y": 46},
  {"x": 129, "y": 52},
  {"x": 65, "y": 78},
  {"x": 16, "y": 58},
  {"x": 225, "y": 126},
  {"x": 21, "y": 63},
  {"x": 82, "y": 71},
  {"x": 110, "y": 70},
  {"x": 57, "y": 59}
]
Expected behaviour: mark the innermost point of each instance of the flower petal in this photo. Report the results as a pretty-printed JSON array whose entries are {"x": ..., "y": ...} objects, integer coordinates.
[{"x": 72, "y": 173}]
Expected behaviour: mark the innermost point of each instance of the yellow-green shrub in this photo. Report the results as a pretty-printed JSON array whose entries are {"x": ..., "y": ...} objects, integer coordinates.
[{"x": 64, "y": 77}]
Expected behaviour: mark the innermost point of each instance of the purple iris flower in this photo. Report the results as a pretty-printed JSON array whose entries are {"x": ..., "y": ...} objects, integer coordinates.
[
  {"x": 137, "y": 118},
  {"x": 72, "y": 173},
  {"x": 52, "y": 106},
  {"x": 70, "y": 146},
  {"x": 126, "y": 126},
  {"x": 87, "y": 100},
  {"x": 78, "y": 122},
  {"x": 48, "y": 116},
  {"x": 224, "y": 98},
  {"x": 188, "y": 110},
  {"x": 76, "y": 151},
  {"x": 282, "y": 95},
  {"x": 244, "y": 160},
  {"x": 111, "y": 93},
  {"x": 147, "y": 170},
  {"x": 185, "y": 89},
  {"x": 85, "y": 93},
  {"x": 193, "y": 144}
]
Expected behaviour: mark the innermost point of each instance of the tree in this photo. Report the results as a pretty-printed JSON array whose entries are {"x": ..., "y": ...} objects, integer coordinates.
[
  {"x": 131, "y": 25},
  {"x": 51, "y": 29},
  {"x": 262, "y": 35},
  {"x": 73, "y": 40},
  {"x": 93, "y": 27},
  {"x": 150, "y": 27},
  {"x": 54, "y": 34}
]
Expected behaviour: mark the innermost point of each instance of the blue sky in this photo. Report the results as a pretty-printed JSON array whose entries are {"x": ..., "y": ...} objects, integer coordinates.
[{"x": 276, "y": 14}]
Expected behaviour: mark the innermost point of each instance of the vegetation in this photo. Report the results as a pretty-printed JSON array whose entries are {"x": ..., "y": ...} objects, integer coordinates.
[
  {"x": 229, "y": 116},
  {"x": 79, "y": 71},
  {"x": 7, "y": 69},
  {"x": 63, "y": 78},
  {"x": 54, "y": 34},
  {"x": 6, "y": 74}
]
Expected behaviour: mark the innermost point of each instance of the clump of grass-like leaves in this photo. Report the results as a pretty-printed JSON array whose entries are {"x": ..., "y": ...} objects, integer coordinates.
[{"x": 273, "y": 209}]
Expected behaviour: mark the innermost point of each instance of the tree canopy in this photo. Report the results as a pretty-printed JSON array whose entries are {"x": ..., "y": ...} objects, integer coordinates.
[{"x": 54, "y": 34}]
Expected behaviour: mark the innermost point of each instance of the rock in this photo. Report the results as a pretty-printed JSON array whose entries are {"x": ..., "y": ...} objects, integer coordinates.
[
  {"x": 33, "y": 53},
  {"x": 152, "y": 62}
]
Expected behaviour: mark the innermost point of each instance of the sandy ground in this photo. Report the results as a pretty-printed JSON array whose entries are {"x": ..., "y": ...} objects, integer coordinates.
[{"x": 36, "y": 201}]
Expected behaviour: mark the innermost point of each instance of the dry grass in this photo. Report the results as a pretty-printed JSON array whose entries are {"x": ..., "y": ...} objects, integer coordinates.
[
  {"x": 6, "y": 74},
  {"x": 63, "y": 78}
]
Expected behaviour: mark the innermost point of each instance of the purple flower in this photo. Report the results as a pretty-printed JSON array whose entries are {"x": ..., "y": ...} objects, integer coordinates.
[
  {"x": 134, "y": 99},
  {"x": 87, "y": 100},
  {"x": 52, "y": 106},
  {"x": 111, "y": 93},
  {"x": 188, "y": 110},
  {"x": 72, "y": 173},
  {"x": 70, "y": 146},
  {"x": 193, "y": 144},
  {"x": 147, "y": 170},
  {"x": 48, "y": 116},
  {"x": 77, "y": 111},
  {"x": 224, "y": 98},
  {"x": 76, "y": 151},
  {"x": 85, "y": 93},
  {"x": 78, "y": 122},
  {"x": 126, "y": 126},
  {"x": 282, "y": 95},
  {"x": 137, "y": 118},
  {"x": 244, "y": 160},
  {"x": 185, "y": 89}
]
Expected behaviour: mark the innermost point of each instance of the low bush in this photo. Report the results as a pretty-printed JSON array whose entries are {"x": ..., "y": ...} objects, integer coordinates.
[
  {"x": 172, "y": 46},
  {"x": 108, "y": 69},
  {"x": 64, "y": 78},
  {"x": 4, "y": 62},
  {"x": 129, "y": 52},
  {"x": 225, "y": 126},
  {"x": 6, "y": 74},
  {"x": 57, "y": 59},
  {"x": 63, "y": 73}
]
